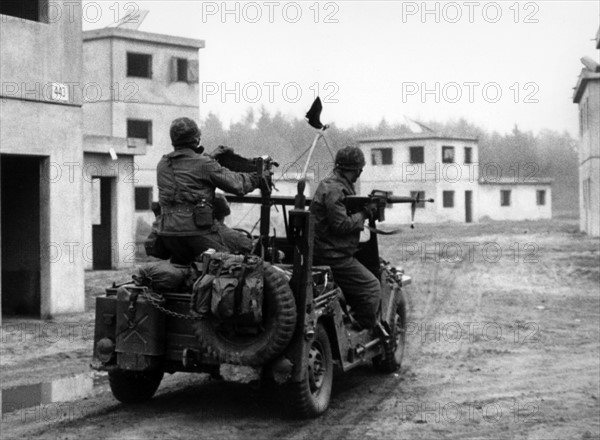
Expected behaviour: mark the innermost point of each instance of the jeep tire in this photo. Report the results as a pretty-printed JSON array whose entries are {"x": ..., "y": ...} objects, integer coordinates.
[
  {"x": 279, "y": 324},
  {"x": 310, "y": 397},
  {"x": 134, "y": 386},
  {"x": 394, "y": 350}
]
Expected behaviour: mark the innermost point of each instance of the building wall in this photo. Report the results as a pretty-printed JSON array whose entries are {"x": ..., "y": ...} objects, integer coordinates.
[
  {"x": 523, "y": 202},
  {"x": 122, "y": 224},
  {"x": 589, "y": 155},
  {"x": 35, "y": 55},
  {"x": 157, "y": 99},
  {"x": 433, "y": 177}
]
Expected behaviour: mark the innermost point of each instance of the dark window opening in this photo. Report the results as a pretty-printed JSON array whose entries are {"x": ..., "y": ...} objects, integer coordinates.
[
  {"x": 468, "y": 155},
  {"x": 448, "y": 154},
  {"x": 143, "y": 198},
  {"x": 34, "y": 10},
  {"x": 505, "y": 197},
  {"x": 448, "y": 199},
  {"x": 140, "y": 129},
  {"x": 182, "y": 69},
  {"x": 417, "y": 154},
  {"x": 541, "y": 197},
  {"x": 421, "y": 195},
  {"x": 381, "y": 156},
  {"x": 139, "y": 65}
]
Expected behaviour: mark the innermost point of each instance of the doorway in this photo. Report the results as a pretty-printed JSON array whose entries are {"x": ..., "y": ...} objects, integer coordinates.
[
  {"x": 468, "y": 206},
  {"x": 20, "y": 234},
  {"x": 101, "y": 223}
]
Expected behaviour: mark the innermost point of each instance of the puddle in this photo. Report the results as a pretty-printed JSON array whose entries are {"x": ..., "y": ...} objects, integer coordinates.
[{"x": 64, "y": 389}]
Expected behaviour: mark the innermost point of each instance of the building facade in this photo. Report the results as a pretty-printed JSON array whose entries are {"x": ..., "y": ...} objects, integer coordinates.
[
  {"x": 146, "y": 80},
  {"x": 587, "y": 96},
  {"x": 41, "y": 142},
  {"x": 447, "y": 169}
]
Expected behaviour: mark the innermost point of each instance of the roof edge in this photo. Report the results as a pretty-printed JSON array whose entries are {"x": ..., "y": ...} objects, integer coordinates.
[{"x": 147, "y": 37}]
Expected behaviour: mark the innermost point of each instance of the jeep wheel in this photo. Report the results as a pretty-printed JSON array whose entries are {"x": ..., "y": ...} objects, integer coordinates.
[
  {"x": 279, "y": 325},
  {"x": 394, "y": 350},
  {"x": 310, "y": 397},
  {"x": 134, "y": 386}
]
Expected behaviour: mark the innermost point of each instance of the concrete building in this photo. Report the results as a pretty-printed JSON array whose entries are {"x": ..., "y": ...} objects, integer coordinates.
[
  {"x": 146, "y": 80},
  {"x": 507, "y": 199},
  {"x": 41, "y": 142},
  {"x": 587, "y": 95},
  {"x": 447, "y": 169}
]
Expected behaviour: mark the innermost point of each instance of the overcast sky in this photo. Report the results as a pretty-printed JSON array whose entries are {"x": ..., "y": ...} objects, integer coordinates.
[{"x": 493, "y": 63}]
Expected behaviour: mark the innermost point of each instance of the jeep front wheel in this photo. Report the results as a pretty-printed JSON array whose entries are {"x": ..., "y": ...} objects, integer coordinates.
[
  {"x": 134, "y": 386},
  {"x": 394, "y": 348},
  {"x": 310, "y": 397}
]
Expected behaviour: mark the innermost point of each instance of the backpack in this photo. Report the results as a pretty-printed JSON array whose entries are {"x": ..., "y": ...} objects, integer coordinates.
[{"x": 230, "y": 289}]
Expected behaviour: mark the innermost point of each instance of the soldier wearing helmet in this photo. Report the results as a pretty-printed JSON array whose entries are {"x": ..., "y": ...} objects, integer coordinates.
[
  {"x": 337, "y": 236},
  {"x": 187, "y": 180}
]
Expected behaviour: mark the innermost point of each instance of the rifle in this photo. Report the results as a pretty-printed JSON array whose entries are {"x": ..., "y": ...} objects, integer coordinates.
[{"x": 377, "y": 201}]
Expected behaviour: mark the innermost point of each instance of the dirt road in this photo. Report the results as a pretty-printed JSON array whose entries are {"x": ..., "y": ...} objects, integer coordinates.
[{"x": 503, "y": 342}]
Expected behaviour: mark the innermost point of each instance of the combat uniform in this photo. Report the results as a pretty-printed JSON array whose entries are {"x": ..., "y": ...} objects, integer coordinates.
[
  {"x": 336, "y": 241},
  {"x": 186, "y": 182}
]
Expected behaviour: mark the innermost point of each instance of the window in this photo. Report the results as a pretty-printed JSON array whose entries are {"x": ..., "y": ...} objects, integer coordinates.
[
  {"x": 448, "y": 154},
  {"x": 468, "y": 155},
  {"x": 505, "y": 197},
  {"x": 143, "y": 198},
  {"x": 139, "y": 129},
  {"x": 417, "y": 155},
  {"x": 381, "y": 156},
  {"x": 34, "y": 10},
  {"x": 421, "y": 195},
  {"x": 139, "y": 65},
  {"x": 541, "y": 197},
  {"x": 182, "y": 69},
  {"x": 448, "y": 199}
]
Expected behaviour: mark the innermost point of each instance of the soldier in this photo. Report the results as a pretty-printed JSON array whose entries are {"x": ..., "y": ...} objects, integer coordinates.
[
  {"x": 186, "y": 189},
  {"x": 337, "y": 237},
  {"x": 234, "y": 241}
]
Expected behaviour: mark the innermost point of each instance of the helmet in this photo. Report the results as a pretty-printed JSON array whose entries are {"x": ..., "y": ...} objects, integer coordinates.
[
  {"x": 220, "y": 207},
  {"x": 184, "y": 131},
  {"x": 350, "y": 159}
]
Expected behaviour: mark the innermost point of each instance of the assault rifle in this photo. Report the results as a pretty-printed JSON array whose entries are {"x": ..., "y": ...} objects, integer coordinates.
[{"x": 376, "y": 202}]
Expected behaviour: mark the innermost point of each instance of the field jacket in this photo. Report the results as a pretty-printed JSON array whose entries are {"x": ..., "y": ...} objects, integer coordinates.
[
  {"x": 185, "y": 179},
  {"x": 337, "y": 232}
]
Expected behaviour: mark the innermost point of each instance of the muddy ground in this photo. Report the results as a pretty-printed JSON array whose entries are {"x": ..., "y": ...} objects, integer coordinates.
[{"x": 503, "y": 342}]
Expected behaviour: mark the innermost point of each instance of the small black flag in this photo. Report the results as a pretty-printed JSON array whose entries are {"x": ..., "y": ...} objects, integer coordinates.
[{"x": 313, "y": 116}]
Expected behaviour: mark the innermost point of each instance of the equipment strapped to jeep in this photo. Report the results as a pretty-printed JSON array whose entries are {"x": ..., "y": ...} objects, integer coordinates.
[
  {"x": 231, "y": 288},
  {"x": 235, "y": 344}
]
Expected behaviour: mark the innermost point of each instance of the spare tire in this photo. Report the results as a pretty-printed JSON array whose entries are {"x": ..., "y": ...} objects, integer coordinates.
[{"x": 279, "y": 323}]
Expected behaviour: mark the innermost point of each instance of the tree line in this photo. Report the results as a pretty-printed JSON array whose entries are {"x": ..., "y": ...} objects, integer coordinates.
[{"x": 549, "y": 154}]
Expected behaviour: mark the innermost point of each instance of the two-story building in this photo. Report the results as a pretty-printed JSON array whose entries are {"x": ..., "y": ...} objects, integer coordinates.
[
  {"x": 587, "y": 95},
  {"x": 447, "y": 169},
  {"x": 147, "y": 80}
]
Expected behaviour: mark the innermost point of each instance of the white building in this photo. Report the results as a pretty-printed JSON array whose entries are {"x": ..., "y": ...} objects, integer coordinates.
[
  {"x": 447, "y": 169},
  {"x": 587, "y": 95}
]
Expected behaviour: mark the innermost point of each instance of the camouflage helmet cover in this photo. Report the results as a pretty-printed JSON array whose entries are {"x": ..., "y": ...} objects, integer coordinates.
[
  {"x": 184, "y": 131},
  {"x": 350, "y": 158}
]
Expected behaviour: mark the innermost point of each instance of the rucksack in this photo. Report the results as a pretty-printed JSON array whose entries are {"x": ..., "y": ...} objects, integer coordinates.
[{"x": 230, "y": 289}]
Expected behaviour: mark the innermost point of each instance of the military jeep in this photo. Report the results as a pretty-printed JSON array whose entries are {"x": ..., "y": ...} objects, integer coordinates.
[{"x": 306, "y": 331}]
